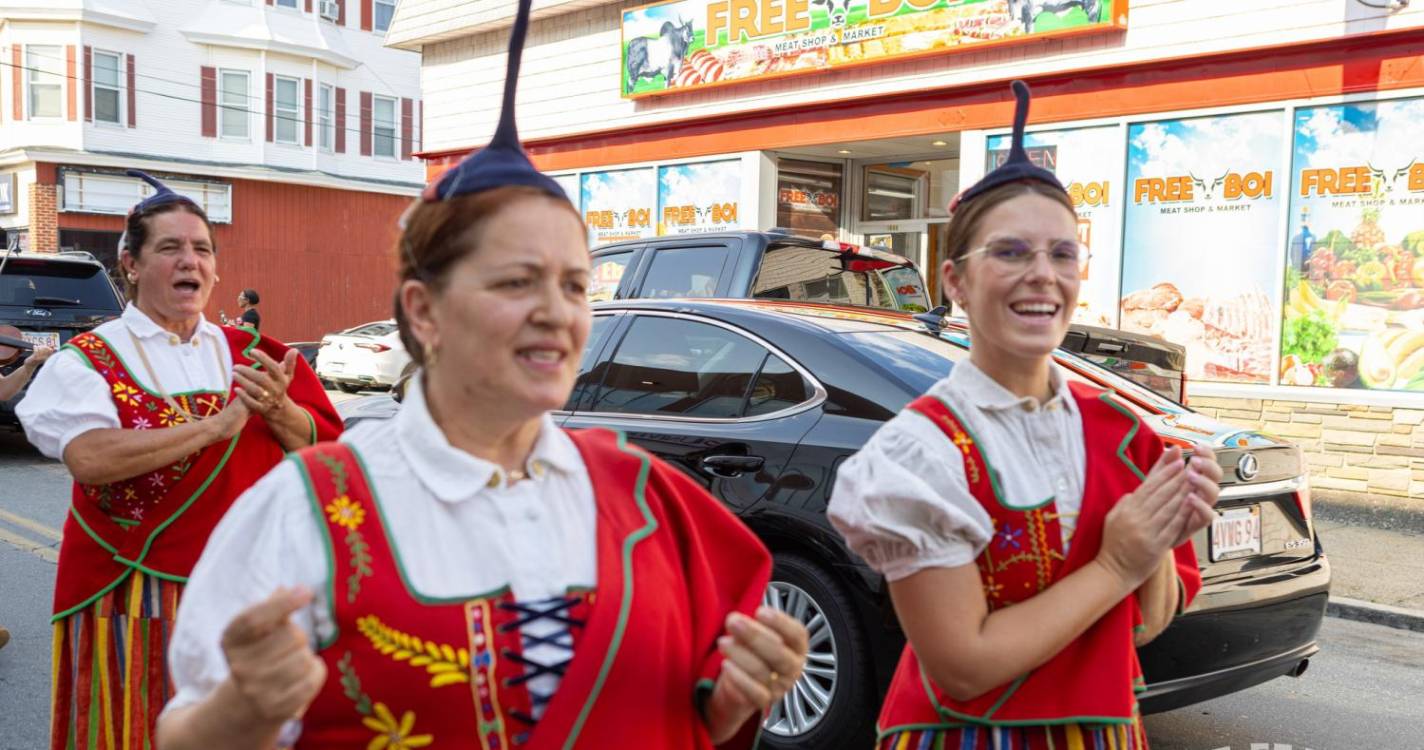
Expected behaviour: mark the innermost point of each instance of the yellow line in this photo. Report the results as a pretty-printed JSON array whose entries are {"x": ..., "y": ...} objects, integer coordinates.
[
  {"x": 30, "y": 524},
  {"x": 42, "y": 551}
]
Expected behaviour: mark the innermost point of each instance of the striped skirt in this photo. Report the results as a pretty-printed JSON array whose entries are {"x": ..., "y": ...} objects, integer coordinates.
[
  {"x": 111, "y": 667},
  {"x": 1065, "y": 737}
]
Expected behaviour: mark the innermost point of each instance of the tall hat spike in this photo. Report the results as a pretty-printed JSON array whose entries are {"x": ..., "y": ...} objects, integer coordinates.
[
  {"x": 501, "y": 163},
  {"x": 1017, "y": 168},
  {"x": 162, "y": 194}
]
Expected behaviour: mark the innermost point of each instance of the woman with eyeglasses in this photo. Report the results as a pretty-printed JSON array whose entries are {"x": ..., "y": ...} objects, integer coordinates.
[{"x": 1032, "y": 530}]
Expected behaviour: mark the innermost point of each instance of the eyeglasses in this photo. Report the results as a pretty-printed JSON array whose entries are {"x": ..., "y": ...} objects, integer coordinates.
[{"x": 1069, "y": 258}]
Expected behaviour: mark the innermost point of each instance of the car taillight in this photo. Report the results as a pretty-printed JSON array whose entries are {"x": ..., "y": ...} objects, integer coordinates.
[
  {"x": 1302, "y": 498},
  {"x": 377, "y": 348},
  {"x": 1182, "y": 399}
]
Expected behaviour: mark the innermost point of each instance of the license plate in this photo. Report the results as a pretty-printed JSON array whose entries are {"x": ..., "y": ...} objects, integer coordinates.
[
  {"x": 334, "y": 366},
  {"x": 1236, "y": 533},
  {"x": 42, "y": 338}
]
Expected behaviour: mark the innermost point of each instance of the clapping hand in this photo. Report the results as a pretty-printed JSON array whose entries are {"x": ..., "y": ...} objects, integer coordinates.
[
  {"x": 265, "y": 390},
  {"x": 1202, "y": 491},
  {"x": 763, "y": 660}
]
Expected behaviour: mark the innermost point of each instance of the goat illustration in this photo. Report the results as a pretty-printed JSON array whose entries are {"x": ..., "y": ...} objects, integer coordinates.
[
  {"x": 1026, "y": 10},
  {"x": 837, "y": 10},
  {"x": 664, "y": 54}
]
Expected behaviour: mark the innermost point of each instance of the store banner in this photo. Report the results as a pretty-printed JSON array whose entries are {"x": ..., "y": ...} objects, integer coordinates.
[
  {"x": 1201, "y": 233},
  {"x": 689, "y": 44},
  {"x": 619, "y": 204},
  {"x": 1089, "y": 163},
  {"x": 1354, "y": 312},
  {"x": 570, "y": 184},
  {"x": 699, "y": 198}
]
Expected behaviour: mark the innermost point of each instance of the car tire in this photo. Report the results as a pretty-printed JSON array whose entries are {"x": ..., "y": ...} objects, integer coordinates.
[
  {"x": 349, "y": 387},
  {"x": 802, "y": 588}
]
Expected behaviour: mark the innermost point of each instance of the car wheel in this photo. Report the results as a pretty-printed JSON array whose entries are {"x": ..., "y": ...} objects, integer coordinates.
[
  {"x": 831, "y": 706},
  {"x": 349, "y": 387}
]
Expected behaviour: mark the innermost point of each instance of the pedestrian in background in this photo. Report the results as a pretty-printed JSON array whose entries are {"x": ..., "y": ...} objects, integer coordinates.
[
  {"x": 1033, "y": 530},
  {"x": 158, "y": 453},
  {"x": 247, "y": 301},
  {"x": 468, "y": 574}
]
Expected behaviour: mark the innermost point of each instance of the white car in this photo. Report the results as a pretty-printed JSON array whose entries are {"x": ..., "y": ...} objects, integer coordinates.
[{"x": 367, "y": 356}]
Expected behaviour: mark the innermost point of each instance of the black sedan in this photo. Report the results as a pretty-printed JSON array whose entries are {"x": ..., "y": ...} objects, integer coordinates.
[{"x": 761, "y": 402}]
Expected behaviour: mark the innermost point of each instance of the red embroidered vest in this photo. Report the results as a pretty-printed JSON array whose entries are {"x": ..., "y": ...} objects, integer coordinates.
[{"x": 1094, "y": 679}]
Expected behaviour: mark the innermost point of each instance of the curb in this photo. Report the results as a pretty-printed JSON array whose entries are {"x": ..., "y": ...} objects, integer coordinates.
[{"x": 1346, "y": 608}]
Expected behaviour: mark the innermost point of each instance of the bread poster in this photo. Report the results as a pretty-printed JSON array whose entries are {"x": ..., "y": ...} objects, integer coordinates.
[
  {"x": 1201, "y": 240},
  {"x": 1088, "y": 161},
  {"x": 1354, "y": 282}
]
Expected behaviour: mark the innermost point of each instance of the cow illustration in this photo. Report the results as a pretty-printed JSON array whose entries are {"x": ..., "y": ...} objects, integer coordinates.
[
  {"x": 1207, "y": 189},
  {"x": 1390, "y": 177},
  {"x": 1024, "y": 11},
  {"x": 837, "y": 10},
  {"x": 664, "y": 54}
]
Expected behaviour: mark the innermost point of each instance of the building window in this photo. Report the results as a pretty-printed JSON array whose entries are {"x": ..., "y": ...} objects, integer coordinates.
[
  {"x": 288, "y": 4},
  {"x": 383, "y": 125},
  {"x": 92, "y": 192},
  {"x": 107, "y": 88},
  {"x": 46, "y": 67},
  {"x": 384, "y": 10},
  {"x": 232, "y": 95},
  {"x": 326, "y": 106},
  {"x": 286, "y": 107}
]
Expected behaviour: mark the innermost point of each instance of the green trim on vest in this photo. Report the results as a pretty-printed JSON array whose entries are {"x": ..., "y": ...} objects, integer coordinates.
[
  {"x": 1106, "y": 397},
  {"x": 134, "y": 377},
  {"x": 989, "y": 467},
  {"x": 321, "y": 522}
]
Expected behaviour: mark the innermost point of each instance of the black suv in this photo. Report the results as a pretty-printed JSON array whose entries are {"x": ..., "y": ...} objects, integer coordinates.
[
  {"x": 51, "y": 298},
  {"x": 778, "y": 265}
]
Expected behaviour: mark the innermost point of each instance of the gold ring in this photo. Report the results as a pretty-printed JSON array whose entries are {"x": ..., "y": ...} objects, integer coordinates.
[
  {"x": 263, "y": 396},
  {"x": 771, "y": 680}
]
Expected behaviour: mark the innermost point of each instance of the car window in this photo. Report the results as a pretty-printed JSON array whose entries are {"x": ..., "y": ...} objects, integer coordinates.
[
  {"x": 778, "y": 386},
  {"x": 684, "y": 272},
  {"x": 810, "y": 274},
  {"x": 920, "y": 360},
  {"x": 607, "y": 273},
  {"x": 670, "y": 366},
  {"x": 372, "y": 329},
  {"x": 28, "y": 283},
  {"x": 589, "y": 377}
]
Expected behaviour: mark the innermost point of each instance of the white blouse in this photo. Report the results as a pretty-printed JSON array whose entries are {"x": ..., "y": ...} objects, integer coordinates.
[
  {"x": 903, "y": 502},
  {"x": 459, "y": 526},
  {"x": 68, "y": 398}
]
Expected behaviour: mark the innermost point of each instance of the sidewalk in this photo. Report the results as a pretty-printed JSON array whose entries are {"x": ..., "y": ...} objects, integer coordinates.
[{"x": 1376, "y": 551}]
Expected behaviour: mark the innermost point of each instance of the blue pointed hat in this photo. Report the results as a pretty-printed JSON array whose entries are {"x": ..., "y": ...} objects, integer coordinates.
[
  {"x": 1017, "y": 168},
  {"x": 501, "y": 163},
  {"x": 162, "y": 194}
]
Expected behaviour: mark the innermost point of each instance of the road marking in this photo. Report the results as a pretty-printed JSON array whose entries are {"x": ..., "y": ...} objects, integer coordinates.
[
  {"x": 30, "y": 524},
  {"x": 23, "y": 544}
]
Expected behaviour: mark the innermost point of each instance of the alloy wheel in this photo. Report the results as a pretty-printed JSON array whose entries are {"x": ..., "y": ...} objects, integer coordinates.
[{"x": 806, "y": 704}]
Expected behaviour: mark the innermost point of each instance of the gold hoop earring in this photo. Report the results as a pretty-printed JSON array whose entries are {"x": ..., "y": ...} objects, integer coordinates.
[{"x": 133, "y": 278}]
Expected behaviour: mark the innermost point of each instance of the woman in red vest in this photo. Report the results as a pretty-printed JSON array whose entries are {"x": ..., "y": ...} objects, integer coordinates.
[
  {"x": 152, "y": 414},
  {"x": 468, "y": 574},
  {"x": 1032, "y": 529}
]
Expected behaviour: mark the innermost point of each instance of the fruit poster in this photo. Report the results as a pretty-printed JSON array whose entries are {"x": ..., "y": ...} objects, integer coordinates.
[
  {"x": 1089, "y": 163},
  {"x": 683, "y": 45},
  {"x": 619, "y": 204},
  {"x": 1354, "y": 312},
  {"x": 699, "y": 198},
  {"x": 1201, "y": 240}
]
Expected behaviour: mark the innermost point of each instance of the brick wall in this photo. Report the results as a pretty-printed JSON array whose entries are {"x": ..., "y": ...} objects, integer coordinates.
[
  {"x": 1349, "y": 447},
  {"x": 44, "y": 218}
]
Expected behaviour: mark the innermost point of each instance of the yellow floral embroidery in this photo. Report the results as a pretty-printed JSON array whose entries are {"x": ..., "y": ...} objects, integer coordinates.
[
  {"x": 343, "y": 511},
  {"x": 446, "y": 665},
  {"x": 127, "y": 394},
  {"x": 391, "y": 735},
  {"x": 169, "y": 418}
]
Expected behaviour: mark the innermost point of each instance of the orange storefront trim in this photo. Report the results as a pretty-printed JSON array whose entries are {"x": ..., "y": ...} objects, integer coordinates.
[{"x": 1380, "y": 61}]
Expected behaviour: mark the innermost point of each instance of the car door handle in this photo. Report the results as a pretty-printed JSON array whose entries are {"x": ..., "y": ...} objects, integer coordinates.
[{"x": 732, "y": 465}]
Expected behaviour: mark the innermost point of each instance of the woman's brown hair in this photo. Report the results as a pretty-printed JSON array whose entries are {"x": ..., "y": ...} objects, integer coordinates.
[
  {"x": 438, "y": 234},
  {"x": 965, "y": 222},
  {"x": 136, "y": 234}
]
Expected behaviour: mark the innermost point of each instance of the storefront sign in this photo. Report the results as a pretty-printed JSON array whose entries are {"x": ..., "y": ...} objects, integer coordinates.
[
  {"x": 1354, "y": 311},
  {"x": 1087, "y": 161},
  {"x": 1201, "y": 232},
  {"x": 699, "y": 198},
  {"x": 619, "y": 205},
  {"x": 689, "y": 44},
  {"x": 808, "y": 197},
  {"x": 7, "y": 193}
]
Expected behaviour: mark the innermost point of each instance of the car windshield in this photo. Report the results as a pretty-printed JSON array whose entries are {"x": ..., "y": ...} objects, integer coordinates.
[
  {"x": 923, "y": 359},
  {"x": 30, "y": 283},
  {"x": 814, "y": 274}
]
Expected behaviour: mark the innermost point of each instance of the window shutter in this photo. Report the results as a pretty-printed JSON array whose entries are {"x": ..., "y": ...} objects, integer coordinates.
[
  {"x": 132, "y": 93},
  {"x": 17, "y": 90},
  {"x": 407, "y": 120},
  {"x": 269, "y": 107},
  {"x": 340, "y": 121},
  {"x": 210, "y": 102},
  {"x": 71, "y": 84},
  {"x": 309, "y": 10},
  {"x": 88, "y": 83},
  {"x": 307, "y": 109},
  {"x": 340, "y": 12},
  {"x": 367, "y": 15},
  {"x": 365, "y": 123}
]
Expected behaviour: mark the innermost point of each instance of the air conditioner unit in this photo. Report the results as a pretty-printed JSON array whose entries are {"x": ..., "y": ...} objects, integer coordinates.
[{"x": 329, "y": 9}]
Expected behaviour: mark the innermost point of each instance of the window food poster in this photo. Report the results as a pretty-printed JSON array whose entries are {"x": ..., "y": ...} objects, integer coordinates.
[
  {"x": 619, "y": 204},
  {"x": 1088, "y": 162},
  {"x": 1201, "y": 237},
  {"x": 1354, "y": 291},
  {"x": 699, "y": 198}
]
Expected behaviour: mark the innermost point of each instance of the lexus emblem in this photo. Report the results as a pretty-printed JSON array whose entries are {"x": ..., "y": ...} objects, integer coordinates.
[
  {"x": 38, "y": 312},
  {"x": 1248, "y": 467}
]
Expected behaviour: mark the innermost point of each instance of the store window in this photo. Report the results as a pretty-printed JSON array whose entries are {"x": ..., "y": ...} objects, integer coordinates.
[
  {"x": 103, "y": 193},
  {"x": 808, "y": 197},
  {"x": 287, "y": 108},
  {"x": 107, "y": 88},
  {"x": 46, "y": 77},
  {"x": 383, "y": 124},
  {"x": 903, "y": 191}
]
